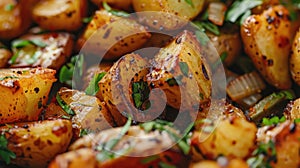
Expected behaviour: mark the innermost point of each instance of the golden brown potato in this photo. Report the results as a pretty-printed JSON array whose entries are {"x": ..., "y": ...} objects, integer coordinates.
[
  {"x": 294, "y": 60},
  {"x": 50, "y": 50},
  {"x": 23, "y": 93},
  {"x": 15, "y": 17},
  {"x": 231, "y": 137},
  {"x": 234, "y": 163},
  {"x": 139, "y": 146},
  {"x": 228, "y": 43},
  {"x": 115, "y": 87},
  {"x": 266, "y": 40},
  {"x": 286, "y": 138},
  {"x": 5, "y": 55},
  {"x": 112, "y": 36},
  {"x": 182, "y": 72},
  {"x": 119, "y": 4},
  {"x": 164, "y": 11},
  {"x": 90, "y": 113},
  {"x": 292, "y": 111},
  {"x": 37, "y": 143},
  {"x": 60, "y": 15}
]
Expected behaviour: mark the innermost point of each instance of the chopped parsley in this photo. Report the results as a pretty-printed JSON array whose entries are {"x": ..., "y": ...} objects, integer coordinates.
[
  {"x": 166, "y": 165},
  {"x": 93, "y": 87},
  {"x": 87, "y": 19},
  {"x": 8, "y": 77},
  {"x": 5, "y": 154},
  {"x": 84, "y": 132},
  {"x": 240, "y": 9},
  {"x": 297, "y": 120},
  {"x": 190, "y": 2},
  {"x": 140, "y": 95},
  {"x": 184, "y": 68},
  {"x": 207, "y": 25},
  {"x": 64, "y": 105},
  {"x": 9, "y": 7},
  {"x": 67, "y": 71},
  {"x": 273, "y": 121},
  {"x": 115, "y": 12},
  {"x": 23, "y": 43},
  {"x": 263, "y": 155}
]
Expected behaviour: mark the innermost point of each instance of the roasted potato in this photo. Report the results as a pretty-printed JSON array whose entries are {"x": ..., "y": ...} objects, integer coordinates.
[
  {"x": 182, "y": 72},
  {"x": 139, "y": 146},
  {"x": 224, "y": 138},
  {"x": 60, "y": 15},
  {"x": 90, "y": 113},
  {"x": 15, "y": 17},
  {"x": 23, "y": 93},
  {"x": 50, "y": 50},
  {"x": 294, "y": 60},
  {"x": 115, "y": 88},
  {"x": 234, "y": 163},
  {"x": 286, "y": 139},
  {"x": 228, "y": 43},
  {"x": 266, "y": 40},
  {"x": 292, "y": 110},
  {"x": 103, "y": 36},
  {"x": 5, "y": 55},
  {"x": 37, "y": 143},
  {"x": 119, "y": 4},
  {"x": 167, "y": 14}
]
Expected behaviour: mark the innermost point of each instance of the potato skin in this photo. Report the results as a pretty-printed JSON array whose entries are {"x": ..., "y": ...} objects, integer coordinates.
[
  {"x": 16, "y": 21},
  {"x": 24, "y": 92},
  {"x": 59, "y": 47},
  {"x": 115, "y": 87},
  {"x": 37, "y": 143},
  {"x": 292, "y": 112},
  {"x": 225, "y": 139},
  {"x": 182, "y": 61},
  {"x": 104, "y": 38},
  {"x": 266, "y": 40},
  {"x": 295, "y": 59},
  {"x": 175, "y": 13},
  {"x": 60, "y": 15},
  {"x": 286, "y": 138}
]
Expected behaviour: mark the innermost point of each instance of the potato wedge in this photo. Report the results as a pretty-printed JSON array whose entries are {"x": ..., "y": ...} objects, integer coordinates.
[
  {"x": 182, "y": 72},
  {"x": 103, "y": 36},
  {"x": 225, "y": 139},
  {"x": 5, "y": 55},
  {"x": 90, "y": 113},
  {"x": 140, "y": 150},
  {"x": 292, "y": 111},
  {"x": 119, "y": 4},
  {"x": 60, "y": 15},
  {"x": 286, "y": 139},
  {"x": 15, "y": 17},
  {"x": 23, "y": 93},
  {"x": 50, "y": 50},
  {"x": 115, "y": 88},
  {"x": 266, "y": 40},
  {"x": 37, "y": 143},
  {"x": 167, "y": 14}
]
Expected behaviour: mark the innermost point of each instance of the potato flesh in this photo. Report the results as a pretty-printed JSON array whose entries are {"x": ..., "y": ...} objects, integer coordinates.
[
  {"x": 24, "y": 93},
  {"x": 37, "y": 143}
]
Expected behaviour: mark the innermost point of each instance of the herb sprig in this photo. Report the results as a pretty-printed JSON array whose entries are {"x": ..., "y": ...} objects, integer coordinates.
[{"x": 5, "y": 153}]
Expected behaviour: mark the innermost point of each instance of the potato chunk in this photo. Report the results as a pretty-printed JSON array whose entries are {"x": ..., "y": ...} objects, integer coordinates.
[
  {"x": 50, "y": 50},
  {"x": 37, "y": 143},
  {"x": 60, "y": 15},
  {"x": 23, "y": 93},
  {"x": 267, "y": 41}
]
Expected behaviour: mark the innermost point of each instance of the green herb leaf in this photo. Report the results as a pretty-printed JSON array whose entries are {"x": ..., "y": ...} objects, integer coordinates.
[
  {"x": 165, "y": 165},
  {"x": 223, "y": 56},
  {"x": 93, "y": 87},
  {"x": 5, "y": 153},
  {"x": 245, "y": 16},
  {"x": 23, "y": 43},
  {"x": 140, "y": 94},
  {"x": 64, "y": 105},
  {"x": 13, "y": 59},
  {"x": 238, "y": 8},
  {"x": 190, "y": 2},
  {"x": 202, "y": 38},
  {"x": 9, "y": 7},
  {"x": 38, "y": 43},
  {"x": 115, "y": 12},
  {"x": 184, "y": 68},
  {"x": 206, "y": 25},
  {"x": 66, "y": 117},
  {"x": 8, "y": 77},
  {"x": 67, "y": 71},
  {"x": 297, "y": 120},
  {"x": 87, "y": 19},
  {"x": 83, "y": 132},
  {"x": 149, "y": 159},
  {"x": 273, "y": 121},
  {"x": 171, "y": 82}
]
